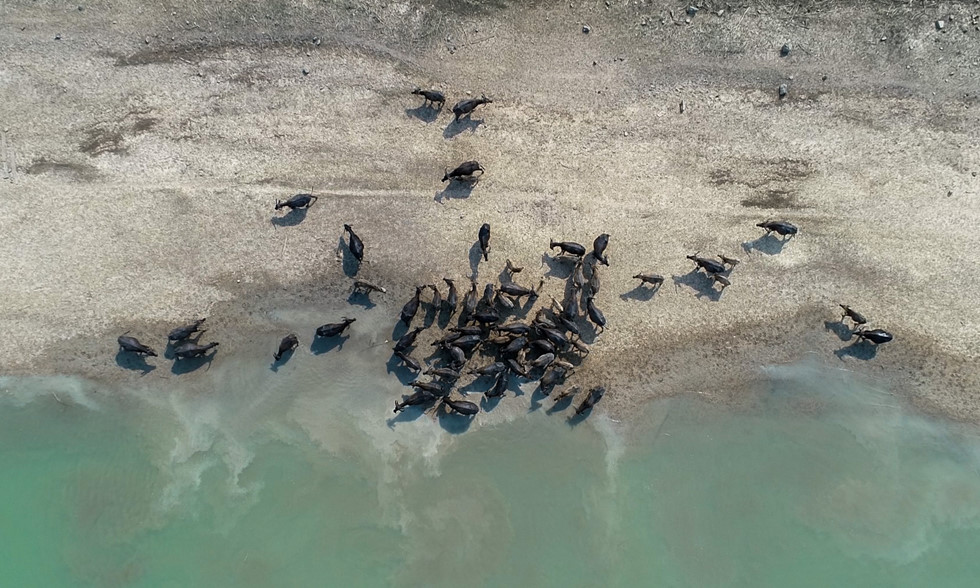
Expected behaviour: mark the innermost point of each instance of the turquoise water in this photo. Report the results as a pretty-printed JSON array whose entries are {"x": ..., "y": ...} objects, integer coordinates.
[{"x": 247, "y": 477}]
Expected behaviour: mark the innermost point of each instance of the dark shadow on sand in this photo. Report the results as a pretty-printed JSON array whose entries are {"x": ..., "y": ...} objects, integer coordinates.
[
  {"x": 558, "y": 266},
  {"x": 456, "y": 189},
  {"x": 767, "y": 244},
  {"x": 291, "y": 218},
  {"x": 361, "y": 299},
  {"x": 184, "y": 366},
  {"x": 456, "y": 127},
  {"x": 840, "y": 329},
  {"x": 642, "y": 293},
  {"x": 863, "y": 350},
  {"x": 475, "y": 257},
  {"x": 131, "y": 361},
  {"x": 425, "y": 113},
  {"x": 321, "y": 345},
  {"x": 702, "y": 285}
]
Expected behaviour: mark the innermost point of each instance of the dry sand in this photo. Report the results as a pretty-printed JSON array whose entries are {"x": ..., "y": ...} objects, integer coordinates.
[{"x": 145, "y": 144}]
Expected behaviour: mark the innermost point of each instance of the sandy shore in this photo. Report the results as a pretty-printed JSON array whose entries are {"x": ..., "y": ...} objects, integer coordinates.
[{"x": 144, "y": 148}]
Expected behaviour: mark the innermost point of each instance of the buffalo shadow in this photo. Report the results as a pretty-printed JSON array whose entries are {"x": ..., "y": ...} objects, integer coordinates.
[
  {"x": 457, "y": 126},
  {"x": 363, "y": 299},
  {"x": 132, "y": 361},
  {"x": 396, "y": 367},
  {"x": 456, "y": 189},
  {"x": 321, "y": 345},
  {"x": 292, "y": 218},
  {"x": 278, "y": 363},
  {"x": 184, "y": 366},
  {"x": 767, "y": 244},
  {"x": 560, "y": 404},
  {"x": 642, "y": 292},
  {"x": 863, "y": 350},
  {"x": 840, "y": 329},
  {"x": 702, "y": 285},
  {"x": 558, "y": 266},
  {"x": 452, "y": 422},
  {"x": 475, "y": 257},
  {"x": 425, "y": 113},
  {"x": 407, "y": 414}
]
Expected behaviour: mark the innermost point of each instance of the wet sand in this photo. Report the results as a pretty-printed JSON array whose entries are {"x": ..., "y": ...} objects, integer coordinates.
[{"x": 145, "y": 148}]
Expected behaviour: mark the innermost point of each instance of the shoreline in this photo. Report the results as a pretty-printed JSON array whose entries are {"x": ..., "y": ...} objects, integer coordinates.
[{"x": 158, "y": 176}]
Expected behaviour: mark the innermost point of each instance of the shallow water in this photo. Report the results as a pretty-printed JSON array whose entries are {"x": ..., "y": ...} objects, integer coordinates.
[{"x": 244, "y": 476}]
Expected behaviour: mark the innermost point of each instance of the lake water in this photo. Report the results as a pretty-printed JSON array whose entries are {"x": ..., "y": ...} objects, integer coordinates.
[{"x": 238, "y": 475}]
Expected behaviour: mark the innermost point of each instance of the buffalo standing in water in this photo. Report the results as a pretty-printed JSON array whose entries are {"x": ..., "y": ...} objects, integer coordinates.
[
  {"x": 288, "y": 343},
  {"x": 132, "y": 345},
  {"x": 591, "y": 399},
  {"x": 419, "y": 397},
  {"x": 411, "y": 307},
  {"x": 463, "y": 407},
  {"x": 334, "y": 329},
  {"x": 356, "y": 246},
  {"x": 485, "y": 241}
]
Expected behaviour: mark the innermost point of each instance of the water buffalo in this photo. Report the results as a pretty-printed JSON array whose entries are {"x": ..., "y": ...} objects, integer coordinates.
[
  {"x": 464, "y": 171},
  {"x": 356, "y": 246},
  {"x": 485, "y": 241},
  {"x": 367, "y": 287},
  {"x": 854, "y": 315},
  {"x": 569, "y": 248},
  {"x": 411, "y": 307},
  {"x": 189, "y": 350},
  {"x": 595, "y": 315},
  {"x": 710, "y": 266},
  {"x": 408, "y": 361},
  {"x": 430, "y": 96},
  {"x": 782, "y": 228},
  {"x": 591, "y": 399},
  {"x": 876, "y": 336},
  {"x": 419, "y": 397},
  {"x": 288, "y": 343},
  {"x": 452, "y": 299},
  {"x": 465, "y": 107},
  {"x": 334, "y": 329},
  {"x": 297, "y": 201},
  {"x": 132, "y": 345},
  {"x": 181, "y": 333},
  {"x": 408, "y": 339},
  {"x": 652, "y": 279},
  {"x": 599, "y": 247}
]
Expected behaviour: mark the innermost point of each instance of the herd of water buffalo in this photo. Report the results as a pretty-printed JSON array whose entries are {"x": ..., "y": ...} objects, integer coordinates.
[{"x": 547, "y": 348}]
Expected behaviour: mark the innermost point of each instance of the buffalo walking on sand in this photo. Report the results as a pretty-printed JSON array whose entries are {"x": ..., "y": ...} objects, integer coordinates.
[
  {"x": 132, "y": 345},
  {"x": 297, "y": 201},
  {"x": 465, "y": 107}
]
